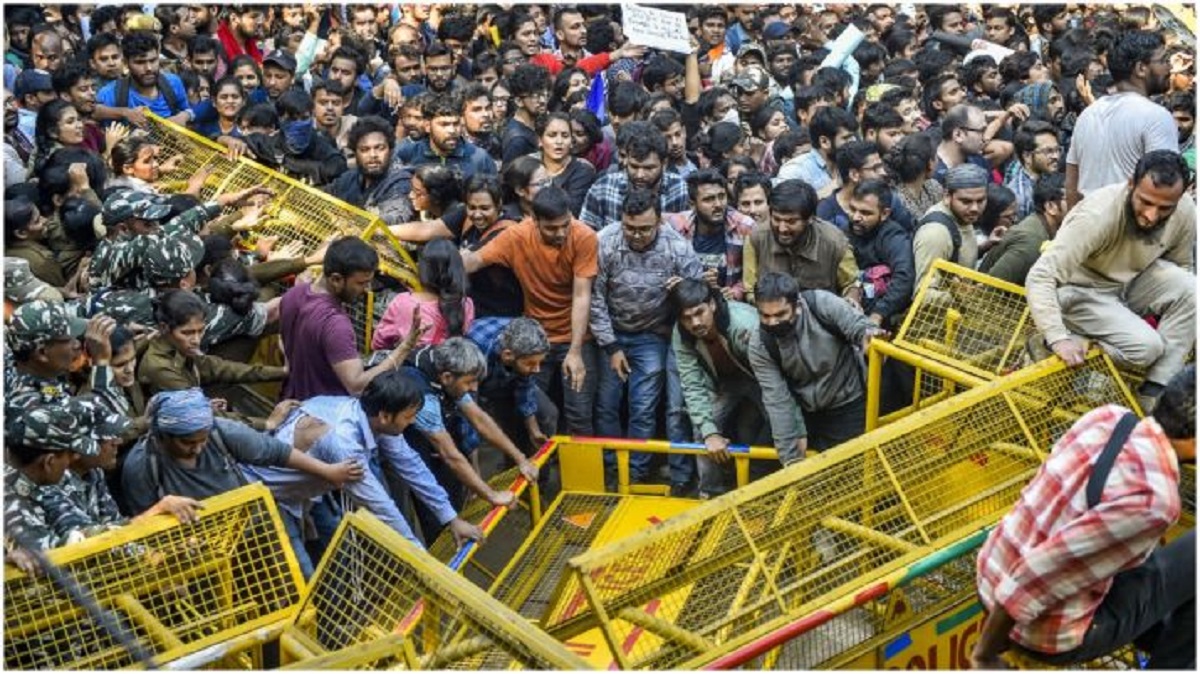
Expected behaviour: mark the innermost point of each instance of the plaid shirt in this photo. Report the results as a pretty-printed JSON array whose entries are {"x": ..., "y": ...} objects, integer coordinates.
[
  {"x": 1021, "y": 183},
  {"x": 1051, "y": 560},
  {"x": 737, "y": 230},
  {"x": 602, "y": 205}
]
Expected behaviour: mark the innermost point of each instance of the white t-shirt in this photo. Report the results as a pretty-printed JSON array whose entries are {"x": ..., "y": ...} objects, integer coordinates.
[{"x": 1113, "y": 133}]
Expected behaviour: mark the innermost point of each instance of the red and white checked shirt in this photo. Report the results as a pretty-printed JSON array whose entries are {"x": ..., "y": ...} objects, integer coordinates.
[{"x": 1051, "y": 560}]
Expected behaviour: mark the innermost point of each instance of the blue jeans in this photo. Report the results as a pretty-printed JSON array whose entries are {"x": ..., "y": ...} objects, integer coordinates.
[
  {"x": 647, "y": 356},
  {"x": 679, "y": 426},
  {"x": 295, "y": 531}
]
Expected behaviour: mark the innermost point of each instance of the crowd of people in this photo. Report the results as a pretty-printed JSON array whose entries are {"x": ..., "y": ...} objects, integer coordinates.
[{"x": 612, "y": 239}]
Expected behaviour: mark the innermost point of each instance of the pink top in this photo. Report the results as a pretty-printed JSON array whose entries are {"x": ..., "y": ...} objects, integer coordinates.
[{"x": 397, "y": 322}]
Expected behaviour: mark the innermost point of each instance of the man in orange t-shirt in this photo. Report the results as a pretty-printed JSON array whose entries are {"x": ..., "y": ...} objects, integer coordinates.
[{"x": 553, "y": 256}]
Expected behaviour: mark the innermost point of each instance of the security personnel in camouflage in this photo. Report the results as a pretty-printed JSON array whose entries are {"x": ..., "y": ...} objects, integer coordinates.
[
  {"x": 80, "y": 503},
  {"x": 135, "y": 224},
  {"x": 42, "y": 337},
  {"x": 41, "y": 442},
  {"x": 169, "y": 264}
]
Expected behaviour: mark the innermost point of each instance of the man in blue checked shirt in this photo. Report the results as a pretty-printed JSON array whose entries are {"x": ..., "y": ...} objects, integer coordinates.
[
  {"x": 364, "y": 429},
  {"x": 644, "y": 168}
]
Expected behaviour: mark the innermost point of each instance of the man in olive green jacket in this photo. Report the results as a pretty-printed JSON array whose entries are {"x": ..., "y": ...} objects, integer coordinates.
[{"x": 712, "y": 341}]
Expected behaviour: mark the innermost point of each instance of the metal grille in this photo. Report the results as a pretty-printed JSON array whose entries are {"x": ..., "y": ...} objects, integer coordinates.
[
  {"x": 968, "y": 319},
  {"x": 375, "y": 589},
  {"x": 740, "y": 566},
  {"x": 178, "y": 588},
  {"x": 296, "y": 212}
]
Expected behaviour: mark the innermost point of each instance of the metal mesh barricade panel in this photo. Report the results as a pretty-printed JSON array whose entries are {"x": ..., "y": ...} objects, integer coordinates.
[
  {"x": 968, "y": 319},
  {"x": 296, "y": 211},
  {"x": 177, "y": 588},
  {"x": 821, "y": 532},
  {"x": 375, "y": 587}
]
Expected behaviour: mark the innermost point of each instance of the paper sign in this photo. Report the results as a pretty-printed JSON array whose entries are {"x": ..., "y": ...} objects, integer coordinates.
[{"x": 657, "y": 28}]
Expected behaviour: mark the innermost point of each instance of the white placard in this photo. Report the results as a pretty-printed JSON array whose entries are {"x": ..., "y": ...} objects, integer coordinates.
[{"x": 660, "y": 29}]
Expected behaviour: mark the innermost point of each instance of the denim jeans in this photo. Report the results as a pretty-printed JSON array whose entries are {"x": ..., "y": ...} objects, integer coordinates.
[
  {"x": 679, "y": 426},
  {"x": 295, "y": 531},
  {"x": 647, "y": 357},
  {"x": 578, "y": 407}
]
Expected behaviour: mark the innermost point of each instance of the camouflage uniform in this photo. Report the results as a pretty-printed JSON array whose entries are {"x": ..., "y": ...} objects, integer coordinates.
[
  {"x": 222, "y": 323},
  {"x": 35, "y": 323},
  {"x": 21, "y": 286},
  {"x": 84, "y": 498},
  {"x": 116, "y": 262},
  {"x": 55, "y": 427}
]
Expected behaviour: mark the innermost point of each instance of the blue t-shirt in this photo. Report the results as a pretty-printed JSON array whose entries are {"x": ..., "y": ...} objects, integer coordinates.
[{"x": 108, "y": 96}]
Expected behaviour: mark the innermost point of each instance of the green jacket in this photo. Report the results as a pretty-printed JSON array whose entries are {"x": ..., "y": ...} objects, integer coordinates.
[
  {"x": 696, "y": 372},
  {"x": 1014, "y": 255}
]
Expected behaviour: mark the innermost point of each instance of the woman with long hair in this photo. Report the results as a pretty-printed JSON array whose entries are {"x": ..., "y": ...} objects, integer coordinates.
[
  {"x": 436, "y": 196},
  {"x": 588, "y": 140},
  {"x": 910, "y": 163},
  {"x": 137, "y": 163},
  {"x": 442, "y": 301},
  {"x": 520, "y": 180},
  {"x": 494, "y": 289},
  {"x": 572, "y": 174},
  {"x": 58, "y": 124}
]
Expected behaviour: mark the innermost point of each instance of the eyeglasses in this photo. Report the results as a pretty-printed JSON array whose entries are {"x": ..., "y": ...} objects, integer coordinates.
[{"x": 640, "y": 232}]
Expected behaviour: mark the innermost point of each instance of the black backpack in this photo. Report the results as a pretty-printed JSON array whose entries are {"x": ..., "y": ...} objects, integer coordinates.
[
  {"x": 164, "y": 89},
  {"x": 772, "y": 345},
  {"x": 951, "y": 225}
]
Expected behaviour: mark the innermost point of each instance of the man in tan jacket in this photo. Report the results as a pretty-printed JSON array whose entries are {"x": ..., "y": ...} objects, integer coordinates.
[{"x": 1123, "y": 252}]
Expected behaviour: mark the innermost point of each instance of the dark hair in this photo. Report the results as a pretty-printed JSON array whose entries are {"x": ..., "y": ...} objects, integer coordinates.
[
  {"x": 119, "y": 338},
  {"x": 708, "y": 101},
  {"x": 203, "y": 44},
  {"x": 528, "y": 79},
  {"x": 231, "y": 81},
  {"x": 794, "y": 197},
  {"x": 690, "y": 293},
  {"x": 909, "y": 158},
  {"x": 562, "y": 82},
  {"x": 368, "y": 125},
  {"x": 391, "y": 393},
  {"x": 54, "y": 178},
  {"x": 897, "y": 39},
  {"x": 879, "y": 116},
  {"x": 876, "y": 188},
  {"x": 853, "y": 156},
  {"x": 1025, "y": 139},
  {"x": 1166, "y": 168},
  {"x": 138, "y": 43},
  {"x": 1016, "y": 66},
  {"x": 1049, "y": 188},
  {"x": 833, "y": 80},
  {"x": 259, "y": 114},
  {"x": 100, "y": 40},
  {"x": 719, "y": 140},
  {"x": 471, "y": 92},
  {"x": 441, "y": 271},
  {"x": 456, "y": 27},
  {"x": 68, "y": 75},
  {"x": 230, "y": 284},
  {"x": 1043, "y": 14},
  {"x": 972, "y": 73},
  {"x": 937, "y": 14},
  {"x": 762, "y": 117},
  {"x": 704, "y": 176},
  {"x": 443, "y": 183},
  {"x": 933, "y": 64},
  {"x": 1176, "y": 408},
  {"x": 774, "y": 285},
  {"x": 660, "y": 69},
  {"x": 826, "y": 123},
  {"x": 543, "y": 121},
  {"x": 551, "y": 203},
  {"x": 642, "y": 145},
  {"x": 601, "y": 36},
  {"x": 750, "y": 180},
  {"x": 174, "y": 308},
  {"x": 664, "y": 119},
  {"x": 626, "y": 98},
  {"x": 999, "y": 198},
  {"x": 19, "y": 213},
  {"x": 349, "y": 53},
  {"x": 591, "y": 125},
  {"x": 332, "y": 87},
  {"x": 106, "y": 13},
  {"x": 48, "y": 118},
  {"x": 1134, "y": 47},
  {"x": 245, "y": 60},
  {"x": 488, "y": 184},
  {"x": 1182, "y": 101},
  {"x": 294, "y": 103},
  {"x": 638, "y": 201},
  {"x": 516, "y": 175},
  {"x": 77, "y": 216},
  {"x": 868, "y": 54},
  {"x": 349, "y": 255},
  {"x": 933, "y": 93}
]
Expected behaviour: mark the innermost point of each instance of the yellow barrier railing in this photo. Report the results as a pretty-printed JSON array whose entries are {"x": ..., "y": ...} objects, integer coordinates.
[
  {"x": 195, "y": 594},
  {"x": 296, "y": 212},
  {"x": 379, "y": 601},
  {"x": 817, "y": 534}
]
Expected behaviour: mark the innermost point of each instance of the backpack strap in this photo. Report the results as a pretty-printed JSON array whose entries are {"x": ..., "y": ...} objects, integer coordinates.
[
  {"x": 1108, "y": 457},
  {"x": 164, "y": 89},
  {"x": 951, "y": 225}
]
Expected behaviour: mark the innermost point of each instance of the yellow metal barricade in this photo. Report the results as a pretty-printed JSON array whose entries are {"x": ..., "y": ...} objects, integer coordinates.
[
  {"x": 832, "y": 533},
  {"x": 296, "y": 212},
  {"x": 379, "y": 601},
  {"x": 192, "y": 595}
]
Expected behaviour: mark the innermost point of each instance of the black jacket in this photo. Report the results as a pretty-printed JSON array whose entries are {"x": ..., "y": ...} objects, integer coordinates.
[{"x": 888, "y": 245}]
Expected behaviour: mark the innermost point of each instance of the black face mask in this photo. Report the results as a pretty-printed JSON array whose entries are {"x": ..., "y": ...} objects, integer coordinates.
[
  {"x": 267, "y": 148},
  {"x": 781, "y": 329}
]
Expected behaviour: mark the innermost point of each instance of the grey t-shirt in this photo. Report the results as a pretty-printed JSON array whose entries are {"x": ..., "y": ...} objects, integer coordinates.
[
  {"x": 146, "y": 479},
  {"x": 1113, "y": 133}
]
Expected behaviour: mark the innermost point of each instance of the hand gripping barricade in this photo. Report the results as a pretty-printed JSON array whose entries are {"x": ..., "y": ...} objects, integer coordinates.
[{"x": 192, "y": 595}]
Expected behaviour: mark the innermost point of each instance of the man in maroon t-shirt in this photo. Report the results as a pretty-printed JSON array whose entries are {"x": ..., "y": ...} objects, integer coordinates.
[{"x": 318, "y": 337}]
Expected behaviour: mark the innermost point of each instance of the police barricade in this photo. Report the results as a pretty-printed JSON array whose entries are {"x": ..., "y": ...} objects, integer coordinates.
[
  {"x": 192, "y": 595},
  {"x": 379, "y": 601},
  {"x": 792, "y": 571}
]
